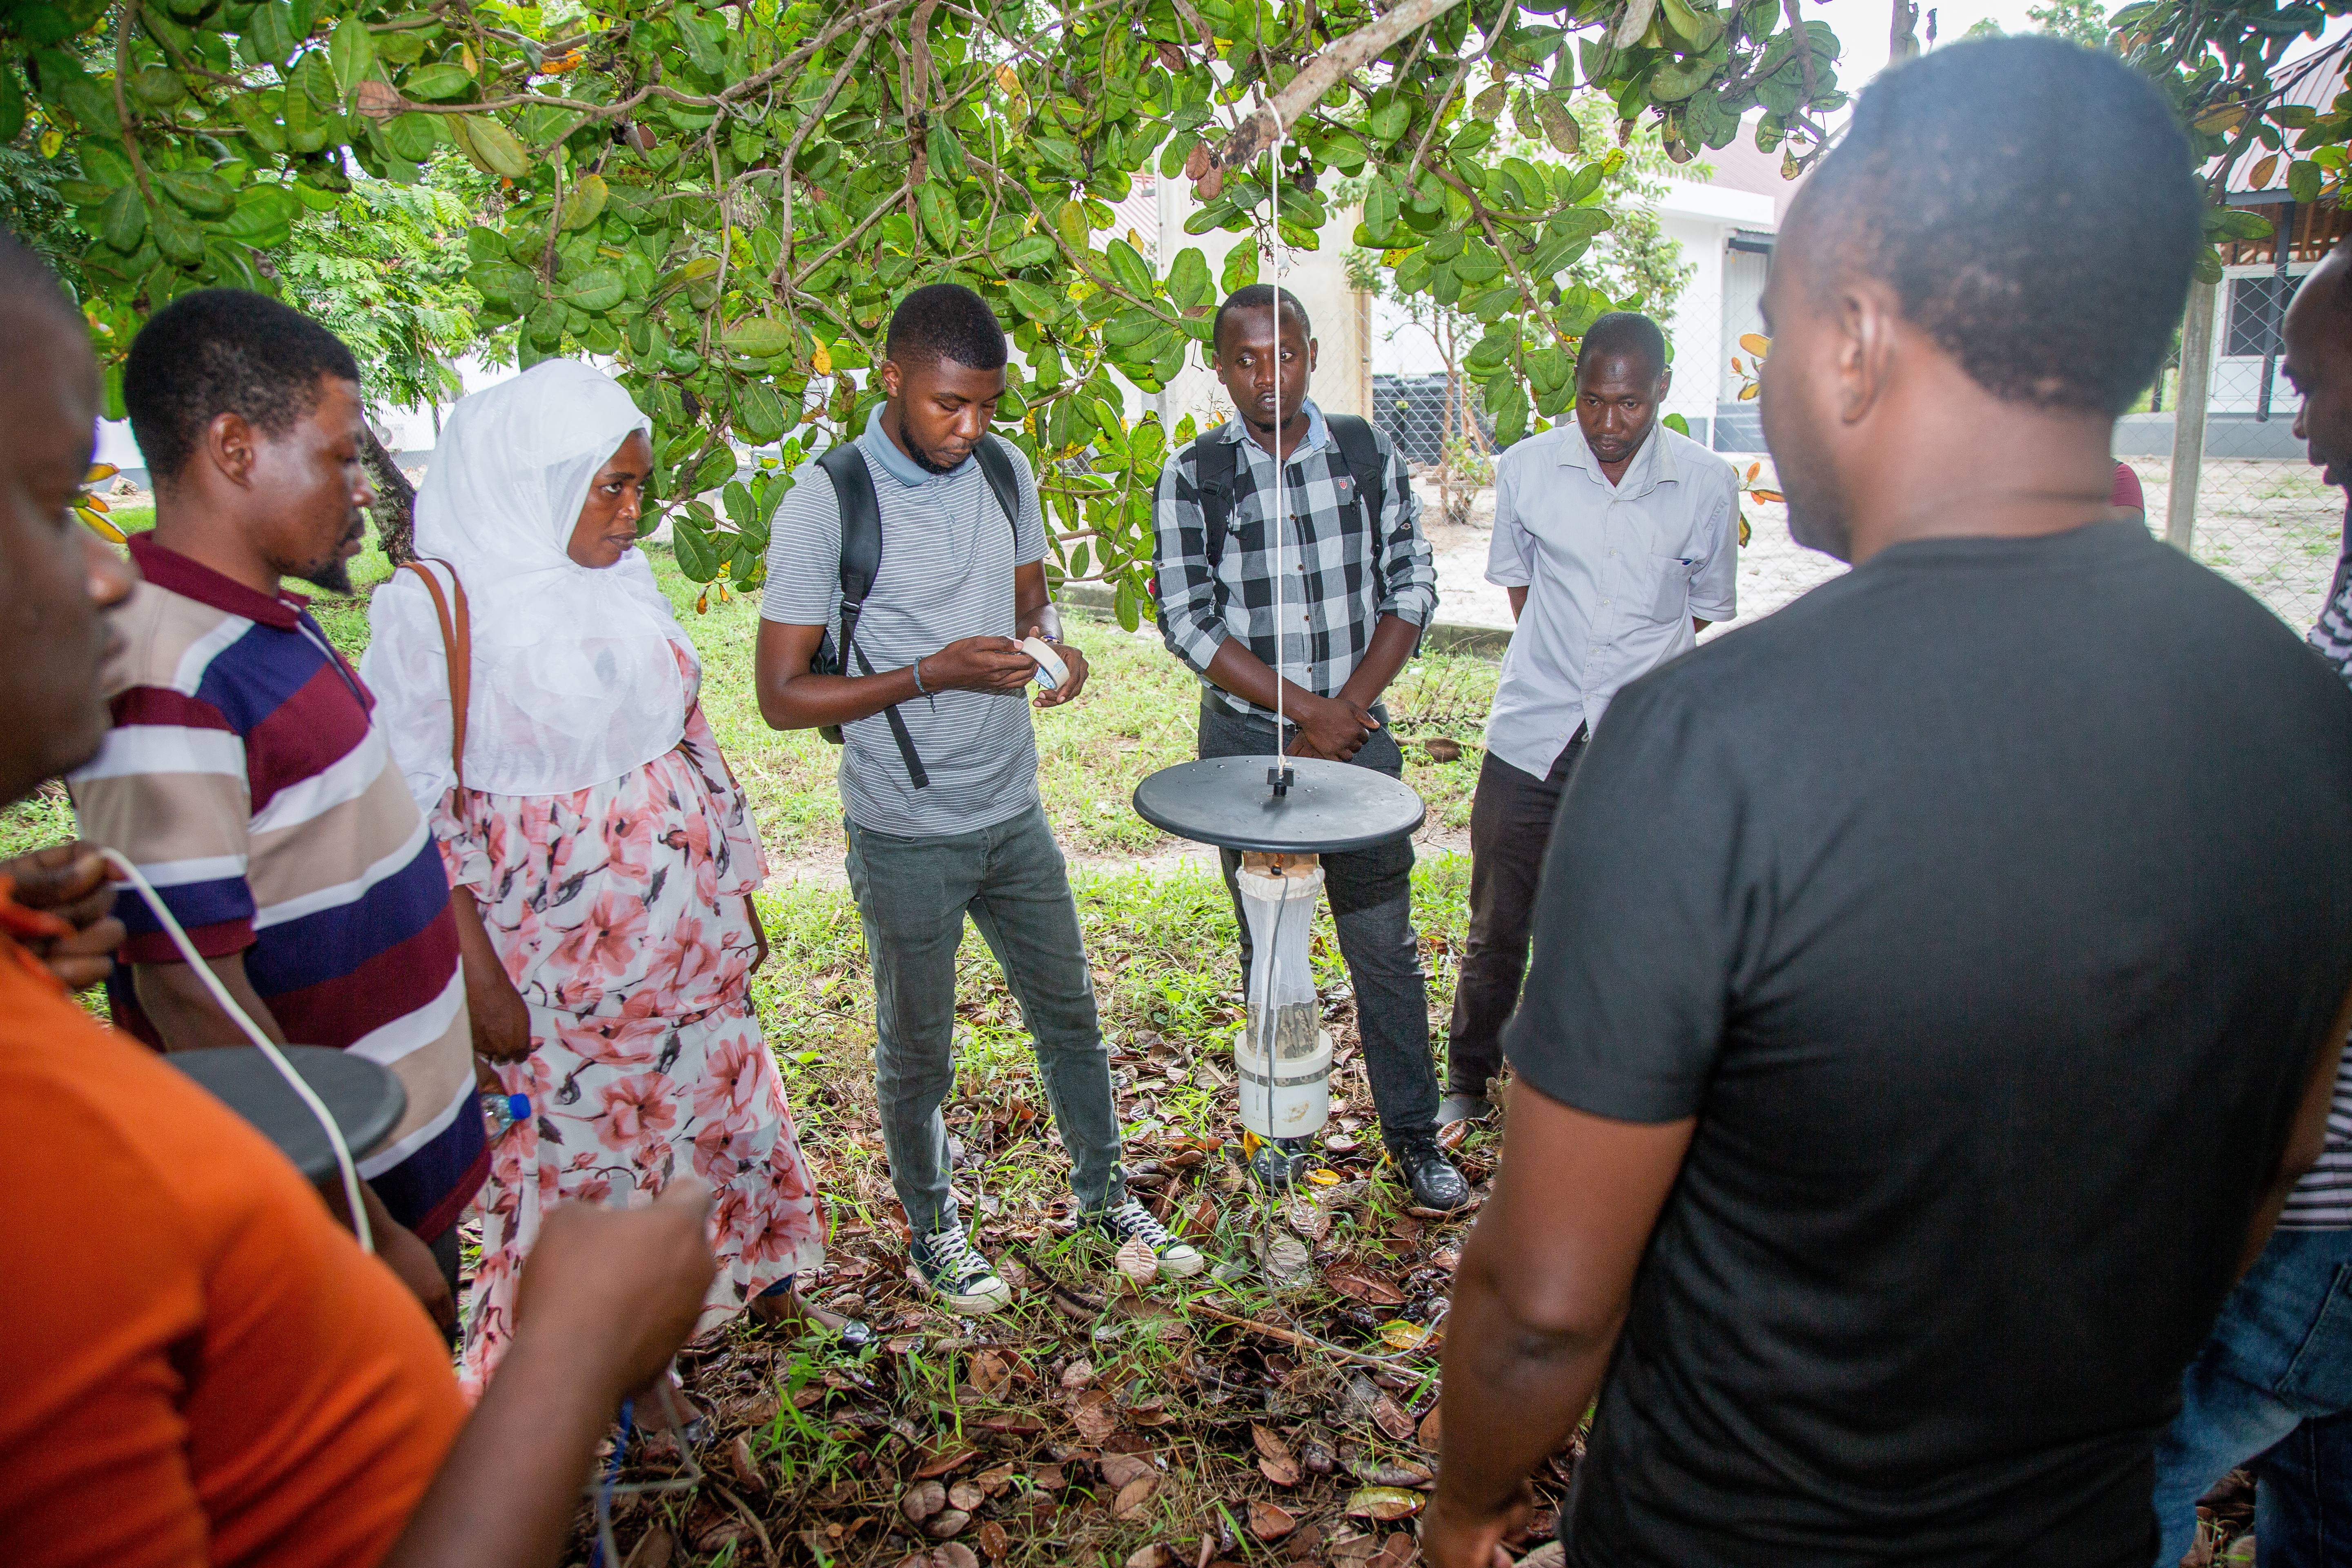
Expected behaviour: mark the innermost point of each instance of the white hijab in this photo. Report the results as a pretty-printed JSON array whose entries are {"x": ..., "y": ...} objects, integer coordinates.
[{"x": 573, "y": 681}]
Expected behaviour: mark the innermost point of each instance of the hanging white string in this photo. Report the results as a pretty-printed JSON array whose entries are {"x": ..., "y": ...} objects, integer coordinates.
[
  {"x": 267, "y": 1047},
  {"x": 1281, "y": 469}
]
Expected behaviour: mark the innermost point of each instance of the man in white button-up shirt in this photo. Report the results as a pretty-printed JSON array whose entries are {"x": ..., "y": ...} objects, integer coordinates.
[{"x": 1617, "y": 539}]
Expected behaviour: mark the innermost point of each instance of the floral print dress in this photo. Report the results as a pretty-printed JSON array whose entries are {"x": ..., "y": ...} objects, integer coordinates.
[{"x": 619, "y": 912}]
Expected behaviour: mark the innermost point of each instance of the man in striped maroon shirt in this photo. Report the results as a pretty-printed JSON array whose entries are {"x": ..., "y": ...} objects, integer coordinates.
[{"x": 245, "y": 772}]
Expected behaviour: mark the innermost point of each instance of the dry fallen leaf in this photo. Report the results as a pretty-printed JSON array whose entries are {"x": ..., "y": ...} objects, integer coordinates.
[
  {"x": 989, "y": 1375},
  {"x": 1365, "y": 1287},
  {"x": 1446, "y": 1257},
  {"x": 747, "y": 1470},
  {"x": 992, "y": 1541},
  {"x": 1274, "y": 1460},
  {"x": 1397, "y": 1552},
  {"x": 943, "y": 1525},
  {"x": 955, "y": 1555},
  {"x": 1270, "y": 1522},
  {"x": 944, "y": 1461},
  {"x": 1133, "y": 1496},
  {"x": 1095, "y": 1415},
  {"x": 1117, "y": 1469},
  {"x": 1432, "y": 1426},
  {"x": 1137, "y": 1264},
  {"x": 922, "y": 1501},
  {"x": 653, "y": 1550},
  {"x": 1391, "y": 1418},
  {"x": 1286, "y": 1259},
  {"x": 995, "y": 1478},
  {"x": 1400, "y": 1335},
  {"x": 1077, "y": 1375},
  {"x": 1310, "y": 1220},
  {"x": 1385, "y": 1503},
  {"x": 967, "y": 1496},
  {"x": 1155, "y": 1555}
]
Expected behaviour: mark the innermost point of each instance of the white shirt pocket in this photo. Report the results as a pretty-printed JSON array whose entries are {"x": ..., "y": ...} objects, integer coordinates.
[{"x": 1670, "y": 587}]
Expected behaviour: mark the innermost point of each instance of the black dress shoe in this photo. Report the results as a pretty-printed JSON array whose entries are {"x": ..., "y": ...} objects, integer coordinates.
[{"x": 1435, "y": 1184}]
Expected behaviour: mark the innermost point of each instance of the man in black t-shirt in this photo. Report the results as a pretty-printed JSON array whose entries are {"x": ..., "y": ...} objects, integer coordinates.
[{"x": 1936, "y": 984}]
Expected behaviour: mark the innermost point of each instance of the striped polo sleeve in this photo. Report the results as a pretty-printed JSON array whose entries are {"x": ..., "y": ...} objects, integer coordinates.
[{"x": 169, "y": 787}]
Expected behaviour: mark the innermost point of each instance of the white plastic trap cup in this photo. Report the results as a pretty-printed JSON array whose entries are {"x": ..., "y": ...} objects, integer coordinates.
[{"x": 1283, "y": 1052}]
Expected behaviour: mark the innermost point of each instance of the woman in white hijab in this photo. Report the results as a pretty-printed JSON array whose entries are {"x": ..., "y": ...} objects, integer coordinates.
[{"x": 598, "y": 829}]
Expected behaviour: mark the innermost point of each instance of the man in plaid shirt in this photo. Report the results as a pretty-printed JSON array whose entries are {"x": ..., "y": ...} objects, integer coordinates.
[{"x": 1360, "y": 587}]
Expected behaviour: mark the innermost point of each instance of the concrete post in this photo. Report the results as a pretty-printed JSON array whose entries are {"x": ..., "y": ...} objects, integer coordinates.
[{"x": 2189, "y": 417}]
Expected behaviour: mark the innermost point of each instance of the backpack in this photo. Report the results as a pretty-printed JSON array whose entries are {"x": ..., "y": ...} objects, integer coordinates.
[
  {"x": 861, "y": 561},
  {"x": 1216, "y": 465}
]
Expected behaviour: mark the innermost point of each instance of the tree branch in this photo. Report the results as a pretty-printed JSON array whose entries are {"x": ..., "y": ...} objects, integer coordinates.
[
  {"x": 1259, "y": 130},
  {"x": 122, "y": 20}
]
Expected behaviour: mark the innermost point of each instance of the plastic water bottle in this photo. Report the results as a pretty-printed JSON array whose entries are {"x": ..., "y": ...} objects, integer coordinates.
[{"x": 504, "y": 1110}]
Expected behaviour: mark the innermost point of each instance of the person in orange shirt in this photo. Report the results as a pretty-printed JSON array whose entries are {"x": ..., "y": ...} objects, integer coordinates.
[{"x": 202, "y": 1367}]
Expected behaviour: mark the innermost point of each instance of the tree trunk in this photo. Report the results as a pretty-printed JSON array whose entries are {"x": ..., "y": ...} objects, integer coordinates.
[{"x": 395, "y": 503}]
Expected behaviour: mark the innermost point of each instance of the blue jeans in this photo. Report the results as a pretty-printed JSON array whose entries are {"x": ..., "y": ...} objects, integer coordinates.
[
  {"x": 2273, "y": 1385},
  {"x": 912, "y": 895}
]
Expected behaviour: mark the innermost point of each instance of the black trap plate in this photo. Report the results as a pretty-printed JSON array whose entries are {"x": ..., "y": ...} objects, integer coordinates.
[
  {"x": 365, "y": 1100},
  {"x": 1330, "y": 806}
]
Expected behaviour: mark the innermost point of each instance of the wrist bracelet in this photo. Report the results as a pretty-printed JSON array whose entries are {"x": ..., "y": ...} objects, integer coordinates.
[{"x": 919, "y": 680}]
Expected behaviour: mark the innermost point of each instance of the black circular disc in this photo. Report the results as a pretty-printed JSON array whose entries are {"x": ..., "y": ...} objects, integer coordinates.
[
  {"x": 1330, "y": 806},
  {"x": 365, "y": 1100}
]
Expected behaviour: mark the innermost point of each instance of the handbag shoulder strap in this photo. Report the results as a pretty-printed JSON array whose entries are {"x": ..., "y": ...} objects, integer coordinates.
[{"x": 457, "y": 640}]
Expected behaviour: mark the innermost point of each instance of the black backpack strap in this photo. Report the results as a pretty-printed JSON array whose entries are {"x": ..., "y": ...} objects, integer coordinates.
[
  {"x": 1215, "y": 463},
  {"x": 1361, "y": 450},
  {"x": 861, "y": 561},
  {"x": 996, "y": 466}
]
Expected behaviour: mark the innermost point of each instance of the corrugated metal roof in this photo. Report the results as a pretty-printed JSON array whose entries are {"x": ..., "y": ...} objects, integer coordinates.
[{"x": 2313, "y": 81}]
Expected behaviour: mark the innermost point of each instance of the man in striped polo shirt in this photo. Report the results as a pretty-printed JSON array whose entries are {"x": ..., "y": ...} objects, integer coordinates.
[
  {"x": 244, "y": 773},
  {"x": 2272, "y": 1390}
]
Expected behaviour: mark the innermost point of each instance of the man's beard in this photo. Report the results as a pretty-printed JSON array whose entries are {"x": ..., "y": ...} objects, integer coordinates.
[
  {"x": 334, "y": 573},
  {"x": 925, "y": 460}
]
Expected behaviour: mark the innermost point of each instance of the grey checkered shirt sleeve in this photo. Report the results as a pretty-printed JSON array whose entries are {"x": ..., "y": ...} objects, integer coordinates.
[
  {"x": 1408, "y": 568},
  {"x": 1189, "y": 620}
]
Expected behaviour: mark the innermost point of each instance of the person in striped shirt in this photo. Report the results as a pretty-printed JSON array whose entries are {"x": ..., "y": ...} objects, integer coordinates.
[
  {"x": 246, "y": 775},
  {"x": 2273, "y": 1387}
]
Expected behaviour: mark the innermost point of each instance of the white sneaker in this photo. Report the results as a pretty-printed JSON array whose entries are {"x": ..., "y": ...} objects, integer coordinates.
[
  {"x": 1130, "y": 1221},
  {"x": 947, "y": 1264}
]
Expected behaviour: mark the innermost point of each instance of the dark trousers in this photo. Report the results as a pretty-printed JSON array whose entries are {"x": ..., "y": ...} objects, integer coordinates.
[
  {"x": 1510, "y": 825},
  {"x": 1370, "y": 892}
]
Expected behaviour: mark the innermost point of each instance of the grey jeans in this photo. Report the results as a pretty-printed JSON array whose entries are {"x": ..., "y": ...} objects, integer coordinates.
[
  {"x": 912, "y": 896},
  {"x": 1370, "y": 892}
]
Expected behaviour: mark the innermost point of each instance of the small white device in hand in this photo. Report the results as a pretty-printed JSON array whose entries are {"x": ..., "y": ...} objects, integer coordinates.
[{"x": 1051, "y": 670}]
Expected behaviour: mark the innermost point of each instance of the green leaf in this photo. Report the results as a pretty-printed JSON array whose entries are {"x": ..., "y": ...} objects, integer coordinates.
[
  {"x": 176, "y": 236},
  {"x": 1390, "y": 120},
  {"x": 1127, "y": 265},
  {"x": 1676, "y": 423},
  {"x": 700, "y": 48},
  {"x": 939, "y": 213},
  {"x": 1030, "y": 251},
  {"x": 1241, "y": 268},
  {"x": 761, "y": 337},
  {"x": 263, "y": 217},
  {"x": 1074, "y": 226},
  {"x": 436, "y": 83},
  {"x": 124, "y": 224},
  {"x": 351, "y": 49},
  {"x": 716, "y": 465},
  {"x": 944, "y": 154},
  {"x": 1489, "y": 103},
  {"x": 1130, "y": 613},
  {"x": 12, "y": 104},
  {"x": 158, "y": 85},
  {"x": 202, "y": 193},
  {"x": 505, "y": 283},
  {"x": 596, "y": 290},
  {"x": 1187, "y": 278},
  {"x": 697, "y": 557},
  {"x": 584, "y": 203},
  {"x": 415, "y": 137},
  {"x": 759, "y": 418},
  {"x": 2303, "y": 181},
  {"x": 270, "y": 32},
  {"x": 1035, "y": 304}
]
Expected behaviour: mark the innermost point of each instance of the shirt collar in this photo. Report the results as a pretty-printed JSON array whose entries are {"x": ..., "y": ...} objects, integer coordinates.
[
  {"x": 170, "y": 570},
  {"x": 1653, "y": 464},
  {"x": 1318, "y": 432},
  {"x": 896, "y": 463}
]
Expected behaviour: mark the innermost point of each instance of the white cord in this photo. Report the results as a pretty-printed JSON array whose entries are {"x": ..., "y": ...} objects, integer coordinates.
[
  {"x": 1281, "y": 470},
  {"x": 269, "y": 1047}
]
